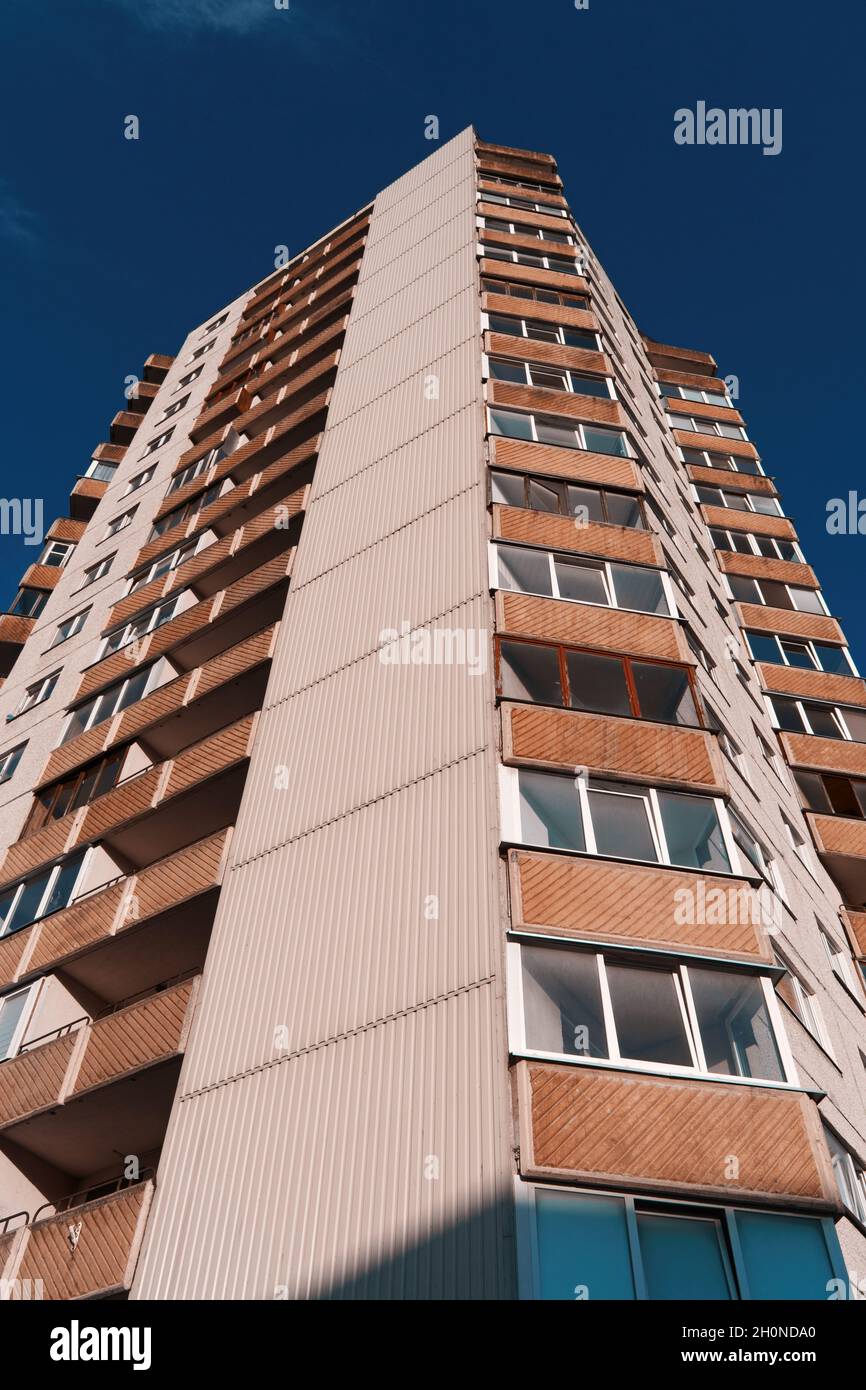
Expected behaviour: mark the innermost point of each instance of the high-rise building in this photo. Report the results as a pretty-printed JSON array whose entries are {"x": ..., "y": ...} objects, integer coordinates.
[{"x": 434, "y": 832}]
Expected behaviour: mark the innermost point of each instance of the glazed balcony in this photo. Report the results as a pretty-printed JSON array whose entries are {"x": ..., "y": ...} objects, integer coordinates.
[
  {"x": 812, "y": 685},
  {"x": 14, "y": 632},
  {"x": 588, "y": 625},
  {"x": 100, "y": 1261},
  {"x": 841, "y": 845},
  {"x": 665, "y": 357},
  {"x": 533, "y": 350},
  {"x": 817, "y": 754},
  {"x": 156, "y": 367},
  {"x": 563, "y": 533},
  {"x": 787, "y": 622},
  {"x": 85, "y": 497},
  {"x": 574, "y": 465}
]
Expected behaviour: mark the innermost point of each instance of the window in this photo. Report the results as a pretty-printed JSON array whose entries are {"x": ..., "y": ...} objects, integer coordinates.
[
  {"x": 550, "y": 378},
  {"x": 194, "y": 470},
  {"x": 94, "y": 572},
  {"x": 752, "y": 851},
  {"x": 772, "y": 594},
  {"x": 617, "y": 819},
  {"x": 190, "y": 377},
  {"x": 14, "y": 1009},
  {"x": 718, "y": 396},
  {"x": 609, "y": 584},
  {"x": 500, "y": 224},
  {"x": 542, "y": 332},
  {"x": 542, "y": 494},
  {"x": 200, "y": 352},
  {"x": 164, "y": 564},
  {"x": 158, "y": 441},
  {"x": 69, "y": 627},
  {"x": 624, "y": 1247},
  {"x": 119, "y": 523},
  {"x": 850, "y": 1176},
  {"x": 656, "y": 1015},
  {"x": 140, "y": 479},
  {"x": 544, "y": 429},
  {"x": 111, "y": 701},
  {"x": 182, "y": 514},
  {"x": 802, "y": 1002},
  {"x": 100, "y": 470},
  {"x": 592, "y": 681},
  {"x": 43, "y": 893},
  {"x": 701, "y": 426},
  {"x": 174, "y": 408},
  {"x": 131, "y": 632},
  {"x": 832, "y": 794},
  {"x": 217, "y": 323},
  {"x": 35, "y": 694},
  {"x": 29, "y": 603},
  {"x": 541, "y": 296},
  {"x": 812, "y": 656},
  {"x": 77, "y": 790},
  {"x": 732, "y": 463},
  {"x": 526, "y": 203},
  {"x": 56, "y": 553},
  {"x": 840, "y": 962},
  {"x": 825, "y": 721},
  {"x": 748, "y": 543},
  {"x": 563, "y": 265},
  {"x": 9, "y": 761},
  {"x": 736, "y": 501}
]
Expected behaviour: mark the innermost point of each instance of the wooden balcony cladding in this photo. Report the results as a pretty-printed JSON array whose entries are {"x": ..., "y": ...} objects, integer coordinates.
[
  {"x": 688, "y": 439},
  {"x": 102, "y": 1261},
  {"x": 789, "y": 623},
  {"x": 517, "y": 169},
  {"x": 812, "y": 685},
  {"x": 700, "y": 383},
  {"x": 563, "y": 533},
  {"x": 755, "y": 522},
  {"x": 731, "y": 482},
  {"x": 563, "y": 403},
  {"x": 762, "y": 567},
  {"x": 532, "y": 275},
  {"x": 856, "y": 926},
  {"x": 563, "y": 314},
  {"x": 138, "y": 1036},
  {"x": 122, "y": 905},
  {"x": 690, "y": 359},
  {"x": 523, "y": 240},
  {"x": 513, "y": 152},
  {"x": 34, "y": 1081},
  {"x": 824, "y": 754},
  {"x": 489, "y": 183},
  {"x": 41, "y": 577},
  {"x": 581, "y": 624},
  {"x": 660, "y": 754},
  {"x": 839, "y": 835},
  {"x": 525, "y": 217},
  {"x": 532, "y": 350},
  {"x": 575, "y": 465},
  {"x": 14, "y": 631},
  {"x": 84, "y": 498},
  {"x": 636, "y": 905},
  {"x": 659, "y": 1134}
]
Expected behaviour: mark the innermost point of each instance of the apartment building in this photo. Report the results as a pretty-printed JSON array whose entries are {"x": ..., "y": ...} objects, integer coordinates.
[{"x": 434, "y": 833}]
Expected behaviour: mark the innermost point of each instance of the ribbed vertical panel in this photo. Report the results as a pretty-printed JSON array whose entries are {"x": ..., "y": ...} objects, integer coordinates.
[{"x": 343, "y": 1122}]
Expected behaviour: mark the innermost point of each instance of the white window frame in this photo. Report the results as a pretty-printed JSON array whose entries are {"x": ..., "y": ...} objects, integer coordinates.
[
  {"x": 70, "y": 627},
  {"x": 678, "y": 968},
  {"x": 522, "y": 229},
  {"x": 173, "y": 409},
  {"x": 805, "y": 642},
  {"x": 528, "y": 258},
  {"x": 762, "y": 602},
  {"x": 97, "y": 571},
  {"x": 166, "y": 564},
  {"x": 840, "y": 962},
  {"x": 65, "y": 547},
  {"x": 140, "y": 479},
  {"x": 158, "y": 442},
  {"x": 719, "y": 398},
  {"x": 31, "y": 993},
  {"x": 12, "y": 755},
  {"x": 557, "y": 329},
  {"x": 723, "y": 502},
  {"x": 737, "y": 462},
  {"x": 190, "y": 377},
  {"x": 200, "y": 351},
  {"x": 215, "y": 324},
  {"x": 841, "y": 1157},
  {"x": 53, "y": 875},
  {"x": 118, "y": 523},
  {"x": 43, "y": 689},
  {"x": 97, "y": 699},
  {"x": 836, "y": 712},
  {"x": 752, "y": 538},
  {"x": 524, "y": 204},
  {"x": 567, "y": 423},
  {"x": 94, "y": 466},
  {"x": 597, "y": 563},
  {"x": 571, "y": 376},
  {"x": 697, "y": 425},
  {"x": 139, "y": 627}
]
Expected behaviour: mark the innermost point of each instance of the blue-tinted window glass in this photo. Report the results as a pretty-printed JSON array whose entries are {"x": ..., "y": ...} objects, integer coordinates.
[
  {"x": 682, "y": 1257},
  {"x": 832, "y": 659},
  {"x": 785, "y": 1256},
  {"x": 582, "y": 1244}
]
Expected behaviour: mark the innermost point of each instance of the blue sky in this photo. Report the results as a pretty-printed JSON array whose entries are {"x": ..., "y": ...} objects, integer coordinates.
[{"x": 262, "y": 126}]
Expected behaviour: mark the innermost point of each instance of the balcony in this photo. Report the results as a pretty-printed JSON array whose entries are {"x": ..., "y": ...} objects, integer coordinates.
[
  {"x": 602, "y": 1126},
  {"x": 856, "y": 925},
  {"x": 140, "y": 396},
  {"x": 14, "y": 632},
  {"x": 84, "y": 498},
  {"x": 99, "y": 1262},
  {"x": 564, "y": 533},
  {"x": 661, "y": 754},
  {"x": 812, "y": 685},
  {"x": 575, "y": 465},
  {"x": 824, "y": 754},
  {"x": 756, "y": 522},
  {"x": 123, "y": 427},
  {"x": 156, "y": 367},
  {"x": 594, "y": 409},
  {"x": 534, "y": 275},
  {"x": 665, "y": 358},
  {"x": 534, "y": 350},
  {"x": 585, "y": 625},
  {"x": 634, "y": 904},
  {"x": 787, "y": 622},
  {"x": 764, "y": 567},
  {"x": 841, "y": 844}
]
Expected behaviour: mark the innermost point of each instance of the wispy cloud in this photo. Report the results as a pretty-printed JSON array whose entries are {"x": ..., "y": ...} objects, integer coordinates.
[
  {"x": 225, "y": 16},
  {"x": 17, "y": 222}
]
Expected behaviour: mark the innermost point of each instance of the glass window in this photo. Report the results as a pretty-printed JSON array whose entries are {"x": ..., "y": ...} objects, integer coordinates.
[
  {"x": 623, "y": 510},
  {"x": 597, "y": 683},
  {"x": 764, "y": 648},
  {"x": 580, "y": 580},
  {"x": 641, "y": 589},
  {"x": 550, "y": 811},
  {"x": 797, "y": 654},
  {"x": 585, "y": 503},
  {"x": 734, "y": 1023},
  {"x": 12, "y": 1008},
  {"x": 582, "y": 1245},
  {"x": 833, "y": 659},
  {"x": 788, "y": 715},
  {"x": 509, "y": 423},
  {"x": 549, "y": 378},
  {"x": 552, "y": 432},
  {"x": 562, "y": 1006},
  {"x": 600, "y": 441},
  {"x": 823, "y": 720},
  {"x": 509, "y": 489},
  {"x": 590, "y": 385},
  {"x": 684, "y": 1258},
  {"x": 664, "y": 693},
  {"x": 529, "y": 672},
  {"x": 650, "y": 1026},
  {"x": 9, "y": 761},
  {"x": 527, "y": 571},
  {"x": 621, "y": 822},
  {"x": 786, "y": 1257},
  {"x": 545, "y": 497},
  {"x": 693, "y": 831},
  {"x": 29, "y": 603},
  {"x": 502, "y": 370}
]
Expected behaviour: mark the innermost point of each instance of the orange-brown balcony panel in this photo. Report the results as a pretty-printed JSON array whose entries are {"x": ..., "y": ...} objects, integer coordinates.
[
  {"x": 101, "y": 1262},
  {"x": 65, "y": 934},
  {"x": 34, "y": 1081},
  {"x": 40, "y": 848},
  {"x": 764, "y": 567},
  {"x": 856, "y": 925},
  {"x": 564, "y": 315},
  {"x": 140, "y": 1035},
  {"x": 523, "y": 240},
  {"x": 731, "y": 482},
  {"x": 824, "y": 754},
  {"x": 63, "y": 528},
  {"x": 141, "y": 395},
  {"x": 583, "y": 625},
  {"x": 755, "y": 522},
  {"x": 726, "y": 414},
  {"x": 532, "y": 350},
  {"x": 688, "y": 439},
  {"x": 534, "y": 275},
  {"x": 635, "y": 748},
  {"x": 124, "y": 426},
  {"x": 637, "y": 905},
  {"x": 841, "y": 843},
  {"x": 698, "y": 360},
  {"x": 518, "y": 169},
  {"x": 84, "y": 498},
  {"x": 598, "y": 1125},
  {"x": 812, "y": 685},
  {"x": 490, "y": 183},
  {"x": 14, "y": 632},
  {"x": 221, "y": 414},
  {"x": 41, "y": 577},
  {"x": 156, "y": 367},
  {"x": 525, "y": 217},
  {"x": 512, "y": 152},
  {"x": 563, "y": 533},
  {"x": 700, "y": 383},
  {"x": 575, "y": 465},
  {"x": 289, "y": 398},
  {"x": 789, "y": 623},
  {"x": 563, "y": 403}
]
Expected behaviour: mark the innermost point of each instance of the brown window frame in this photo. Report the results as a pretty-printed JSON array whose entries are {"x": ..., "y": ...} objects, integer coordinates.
[
  {"x": 517, "y": 291},
  {"x": 40, "y": 813},
  {"x": 562, "y": 649},
  {"x": 546, "y": 480}
]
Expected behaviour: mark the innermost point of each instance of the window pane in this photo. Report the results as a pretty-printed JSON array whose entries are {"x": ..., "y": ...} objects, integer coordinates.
[
  {"x": 549, "y": 432},
  {"x": 508, "y": 488},
  {"x": 639, "y": 589},
  {"x": 507, "y": 371},
  {"x": 605, "y": 441},
  {"x": 527, "y": 672},
  {"x": 832, "y": 659},
  {"x": 28, "y": 904},
  {"x": 562, "y": 1002},
  {"x": 693, "y": 833},
  {"x": 664, "y": 694},
  {"x": 574, "y": 338},
  {"x": 744, "y": 590},
  {"x": 526, "y": 571},
  {"x": 788, "y": 715},
  {"x": 813, "y": 791},
  {"x": 549, "y": 378},
  {"x": 511, "y": 424},
  {"x": 590, "y": 385},
  {"x": 647, "y": 1014},
  {"x": 823, "y": 721},
  {"x": 856, "y": 722},
  {"x": 798, "y": 654},
  {"x": 584, "y": 503},
  {"x": 597, "y": 683},
  {"x": 621, "y": 824},
  {"x": 623, "y": 511},
  {"x": 767, "y": 506},
  {"x": 11, "y": 1009},
  {"x": 785, "y": 1256},
  {"x": 64, "y": 884},
  {"x": 550, "y": 811},
  {"x": 579, "y": 580},
  {"x": 683, "y": 1257},
  {"x": 806, "y": 600},
  {"x": 764, "y": 648},
  {"x": 545, "y": 497},
  {"x": 582, "y": 1244},
  {"x": 735, "y": 1027}
]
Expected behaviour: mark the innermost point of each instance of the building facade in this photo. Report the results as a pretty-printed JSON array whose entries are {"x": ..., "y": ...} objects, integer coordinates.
[{"x": 434, "y": 836}]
